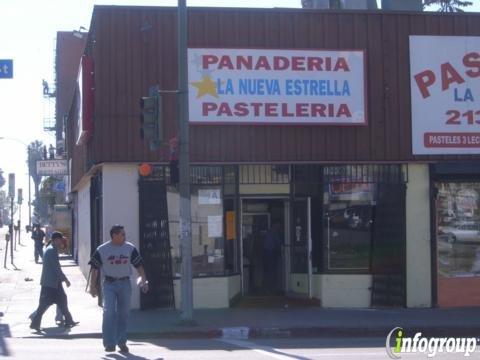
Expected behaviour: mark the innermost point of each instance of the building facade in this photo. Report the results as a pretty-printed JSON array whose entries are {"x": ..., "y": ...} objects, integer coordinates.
[{"x": 307, "y": 176}]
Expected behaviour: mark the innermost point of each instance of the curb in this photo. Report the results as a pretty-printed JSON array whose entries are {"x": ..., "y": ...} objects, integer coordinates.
[{"x": 245, "y": 332}]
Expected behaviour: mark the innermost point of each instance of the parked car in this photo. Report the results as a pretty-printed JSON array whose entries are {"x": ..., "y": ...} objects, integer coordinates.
[
  {"x": 462, "y": 232},
  {"x": 353, "y": 217}
]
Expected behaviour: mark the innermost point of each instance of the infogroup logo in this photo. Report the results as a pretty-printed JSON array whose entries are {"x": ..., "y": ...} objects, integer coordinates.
[{"x": 430, "y": 346}]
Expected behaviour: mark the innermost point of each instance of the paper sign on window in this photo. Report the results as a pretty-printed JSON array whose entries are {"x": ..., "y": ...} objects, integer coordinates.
[
  {"x": 209, "y": 197},
  {"x": 215, "y": 228}
]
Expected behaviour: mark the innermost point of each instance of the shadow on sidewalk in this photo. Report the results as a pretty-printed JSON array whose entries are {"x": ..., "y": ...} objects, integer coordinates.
[
  {"x": 129, "y": 356},
  {"x": 14, "y": 267}
]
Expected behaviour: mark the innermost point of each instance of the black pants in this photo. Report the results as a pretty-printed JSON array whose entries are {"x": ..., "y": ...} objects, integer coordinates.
[
  {"x": 49, "y": 296},
  {"x": 38, "y": 250}
]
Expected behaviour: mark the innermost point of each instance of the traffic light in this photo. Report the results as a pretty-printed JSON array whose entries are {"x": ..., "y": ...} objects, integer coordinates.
[
  {"x": 19, "y": 196},
  {"x": 151, "y": 120}
]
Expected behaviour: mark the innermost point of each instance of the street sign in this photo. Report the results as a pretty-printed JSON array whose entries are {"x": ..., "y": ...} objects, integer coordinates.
[
  {"x": 59, "y": 186},
  {"x": 52, "y": 167},
  {"x": 6, "y": 69}
]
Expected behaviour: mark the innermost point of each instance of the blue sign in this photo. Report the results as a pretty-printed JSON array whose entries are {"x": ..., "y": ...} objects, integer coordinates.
[
  {"x": 59, "y": 186},
  {"x": 6, "y": 69}
]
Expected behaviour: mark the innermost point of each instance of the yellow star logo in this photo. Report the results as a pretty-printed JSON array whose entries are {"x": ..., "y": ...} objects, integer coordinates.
[{"x": 205, "y": 86}]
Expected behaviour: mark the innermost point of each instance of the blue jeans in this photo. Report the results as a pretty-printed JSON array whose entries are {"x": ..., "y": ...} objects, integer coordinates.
[
  {"x": 49, "y": 296},
  {"x": 116, "y": 307},
  {"x": 38, "y": 250}
]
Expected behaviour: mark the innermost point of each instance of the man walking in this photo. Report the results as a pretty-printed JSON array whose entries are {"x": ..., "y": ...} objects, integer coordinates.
[
  {"x": 51, "y": 280},
  {"x": 115, "y": 258},
  {"x": 38, "y": 235}
]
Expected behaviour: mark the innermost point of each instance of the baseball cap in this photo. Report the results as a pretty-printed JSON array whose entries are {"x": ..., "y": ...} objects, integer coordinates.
[{"x": 57, "y": 235}]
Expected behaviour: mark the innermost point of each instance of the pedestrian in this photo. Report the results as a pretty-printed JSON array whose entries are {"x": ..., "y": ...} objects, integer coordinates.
[
  {"x": 52, "y": 291},
  {"x": 115, "y": 259},
  {"x": 59, "y": 318},
  {"x": 38, "y": 235}
]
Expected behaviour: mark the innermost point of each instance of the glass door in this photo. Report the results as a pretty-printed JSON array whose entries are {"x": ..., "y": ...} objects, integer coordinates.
[
  {"x": 254, "y": 231},
  {"x": 302, "y": 240}
]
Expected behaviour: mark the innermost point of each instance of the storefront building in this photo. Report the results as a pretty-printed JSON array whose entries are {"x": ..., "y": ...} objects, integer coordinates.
[{"x": 317, "y": 170}]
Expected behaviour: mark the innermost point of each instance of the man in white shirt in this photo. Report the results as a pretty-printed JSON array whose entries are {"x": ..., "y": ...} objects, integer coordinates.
[{"x": 115, "y": 259}]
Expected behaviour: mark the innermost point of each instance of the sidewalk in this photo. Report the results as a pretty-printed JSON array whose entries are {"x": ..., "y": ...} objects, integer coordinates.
[{"x": 19, "y": 291}]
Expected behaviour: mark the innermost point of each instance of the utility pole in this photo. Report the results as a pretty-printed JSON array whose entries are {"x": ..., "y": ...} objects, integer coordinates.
[
  {"x": 184, "y": 168},
  {"x": 29, "y": 191},
  {"x": 12, "y": 240},
  {"x": 11, "y": 194},
  {"x": 19, "y": 202}
]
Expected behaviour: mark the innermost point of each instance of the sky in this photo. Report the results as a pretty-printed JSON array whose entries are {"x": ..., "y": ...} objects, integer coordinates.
[{"x": 27, "y": 35}]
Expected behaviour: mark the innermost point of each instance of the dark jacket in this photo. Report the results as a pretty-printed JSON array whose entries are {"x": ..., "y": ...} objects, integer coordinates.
[
  {"x": 38, "y": 235},
  {"x": 52, "y": 274}
]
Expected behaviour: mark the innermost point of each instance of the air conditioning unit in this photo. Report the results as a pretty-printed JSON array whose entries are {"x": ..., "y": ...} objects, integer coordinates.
[
  {"x": 402, "y": 5},
  {"x": 358, "y": 4},
  {"x": 316, "y": 4}
]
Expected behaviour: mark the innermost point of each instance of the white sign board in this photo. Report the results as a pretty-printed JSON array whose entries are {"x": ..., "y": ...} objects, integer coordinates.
[
  {"x": 209, "y": 197},
  {"x": 215, "y": 226},
  {"x": 52, "y": 167},
  {"x": 445, "y": 90},
  {"x": 260, "y": 86}
]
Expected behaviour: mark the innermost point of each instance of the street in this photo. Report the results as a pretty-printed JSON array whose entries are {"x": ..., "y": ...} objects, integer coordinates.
[{"x": 213, "y": 349}]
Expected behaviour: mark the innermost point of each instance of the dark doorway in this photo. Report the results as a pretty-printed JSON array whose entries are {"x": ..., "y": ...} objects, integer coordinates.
[
  {"x": 263, "y": 247},
  {"x": 388, "y": 261}
]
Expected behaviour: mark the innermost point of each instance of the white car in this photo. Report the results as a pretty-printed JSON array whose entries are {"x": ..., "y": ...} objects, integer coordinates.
[{"x": 468, "y": 232}]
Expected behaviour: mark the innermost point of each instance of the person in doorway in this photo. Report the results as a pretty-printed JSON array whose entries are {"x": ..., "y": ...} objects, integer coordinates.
[
  {"x": 38, "y": 235},
  {"x": 52, "y": 291},
  {"x": 271, "y": 257},
  {"x": 115, "y": 259}
]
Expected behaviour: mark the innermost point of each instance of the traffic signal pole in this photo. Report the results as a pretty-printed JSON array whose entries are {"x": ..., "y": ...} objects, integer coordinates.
[
  {"x": 29, "y": 191},
  {"x": 184, "y": 168},
  {"x": 152, "y": 130},
  {"x": 12, "y": 240}
]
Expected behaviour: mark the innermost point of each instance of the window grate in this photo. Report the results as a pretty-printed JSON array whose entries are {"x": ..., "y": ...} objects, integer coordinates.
[{"x": 387, "y": 174}]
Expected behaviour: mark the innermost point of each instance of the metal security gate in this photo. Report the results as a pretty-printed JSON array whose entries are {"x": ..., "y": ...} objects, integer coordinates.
[
  {"x": 155, "y": 245},
  {"x": 389, "y": 247}
]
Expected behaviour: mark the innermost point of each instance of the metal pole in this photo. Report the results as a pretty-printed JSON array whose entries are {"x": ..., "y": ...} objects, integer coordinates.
[
  {"x": 6, "y": 250},
  {"x": 19, "y": 223},
  {"x": 29, "y": 193},
  {"x": 184, "y": 167},
  {"x": 11, "y": 230},
  {"x": 14, "y": 237}
]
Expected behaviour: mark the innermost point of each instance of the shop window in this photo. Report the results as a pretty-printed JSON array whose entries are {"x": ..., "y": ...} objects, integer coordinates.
[
  {"x": 208, "y": 230},
  {"x": 348, "y": 220},
  {"x": 458, "y": 229}
]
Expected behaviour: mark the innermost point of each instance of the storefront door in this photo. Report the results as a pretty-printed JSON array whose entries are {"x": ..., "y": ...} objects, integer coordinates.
[
  {"x": 263, "y": 247},
  {"x": 302, "y": 240}
]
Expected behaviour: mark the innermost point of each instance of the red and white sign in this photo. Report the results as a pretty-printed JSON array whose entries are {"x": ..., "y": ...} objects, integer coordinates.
[
  {"x": 86, "y": 102},
  {"x": 260, "y": 86},
  {"x": 445, "y": 89}
]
